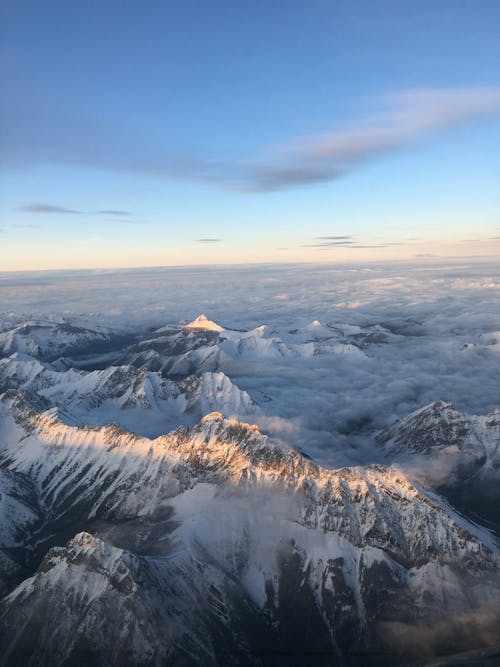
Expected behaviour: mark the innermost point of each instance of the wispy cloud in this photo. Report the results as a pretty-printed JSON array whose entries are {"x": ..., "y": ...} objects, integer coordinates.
[
  {"x": 57, "y": 209},
  {"x": 405, "y": 118},
  {"x": 114, "y": 212},
  {"x": 328, "y": 241},
  {"x": 208, "y": 240},
  {"x": 346, "y": 242},
  {"x": 398, "y": 121},
  {"x": 47, "y": 208}
]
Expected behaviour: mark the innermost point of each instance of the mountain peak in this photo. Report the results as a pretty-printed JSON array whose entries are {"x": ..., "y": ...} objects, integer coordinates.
[
  {"x": 202, "y": 322},
  {"x": 212, "y": 417}
]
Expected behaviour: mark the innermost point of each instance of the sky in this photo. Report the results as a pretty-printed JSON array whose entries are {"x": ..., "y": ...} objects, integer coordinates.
[{"x": 173, "y": 133}]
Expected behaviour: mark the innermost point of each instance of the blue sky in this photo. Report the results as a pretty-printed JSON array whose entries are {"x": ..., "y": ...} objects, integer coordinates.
[{"x": 160, "y": 133}]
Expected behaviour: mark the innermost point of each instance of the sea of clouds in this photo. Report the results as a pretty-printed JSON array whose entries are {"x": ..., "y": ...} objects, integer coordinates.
[{"x": 444, "y": 319}]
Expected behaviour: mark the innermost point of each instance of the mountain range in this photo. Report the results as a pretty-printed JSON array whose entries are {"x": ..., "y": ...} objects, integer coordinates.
[{"x": 148, "y": 517}]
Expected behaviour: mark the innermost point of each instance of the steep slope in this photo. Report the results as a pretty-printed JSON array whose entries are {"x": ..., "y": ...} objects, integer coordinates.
[
  {"x": 20, "y": 516},
  {"x": 202, "y": 323},
  {"x": 139, "y": 400},
  {"x": 458, "y": 454},
  {"x": 319, "y": 561},
  {"x": 179, "y": 611},
  {"x": 49, "y": 340}
]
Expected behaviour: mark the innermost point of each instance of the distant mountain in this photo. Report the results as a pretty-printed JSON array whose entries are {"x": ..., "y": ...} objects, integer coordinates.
[
  {"x": 140, "y": 400},
  {"x": 203, "y": 345},
  {"x": 456, "y": 453},
  {"x": 202, "y": 323},
  {"x": 48, "y": 340}
]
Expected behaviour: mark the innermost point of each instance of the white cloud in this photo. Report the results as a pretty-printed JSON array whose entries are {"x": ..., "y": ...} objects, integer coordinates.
[
  {"x": 406, "y": 117},
  {"x": 329, "y": 404}
]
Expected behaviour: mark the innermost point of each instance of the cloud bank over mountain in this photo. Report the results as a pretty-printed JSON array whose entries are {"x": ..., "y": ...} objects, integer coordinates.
[
  {"x": 406, "y": 335},
  {"x": 319, "y": 441}
]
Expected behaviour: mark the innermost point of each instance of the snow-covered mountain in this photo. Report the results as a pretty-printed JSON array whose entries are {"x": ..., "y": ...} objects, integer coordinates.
[
  {"x": 439, "y": 427},
  {"x": 20, "y": 513},
  {"x": 206, "y": 345},
  {"x": 135, "y": 398},
  {"x": 49, "y": 340},
  {"x": 144, "y": 521},
  {"x": 202, "y": 323},
  {"x": 457, "y": 453},
  {"x": 244, "y": 524},
  {"x": 342, "y": 333}
]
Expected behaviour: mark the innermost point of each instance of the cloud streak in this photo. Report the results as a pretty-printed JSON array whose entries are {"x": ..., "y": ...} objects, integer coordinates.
[
  {"x": 63, "y": 210},
  {"x": 47, "y": 208},
  {"x": 345, "y": 242},
  {"x": 406, "y": 118},
  {"x": 397, "y": 122},
  {"x": 115, "y": 212},
  {"x": 208, "y": 240}
]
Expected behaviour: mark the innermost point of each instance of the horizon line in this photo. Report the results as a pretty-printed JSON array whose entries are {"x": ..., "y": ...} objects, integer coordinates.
[{"x": 415, "y": 261}]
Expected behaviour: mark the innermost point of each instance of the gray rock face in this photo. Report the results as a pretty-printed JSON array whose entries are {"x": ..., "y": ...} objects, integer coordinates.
[
  {"x": 179, "y": 536},
  {"x": 239, "y": 538},
  {"x": 49, "y": 340},
  {"x": 456, "y": 453}
]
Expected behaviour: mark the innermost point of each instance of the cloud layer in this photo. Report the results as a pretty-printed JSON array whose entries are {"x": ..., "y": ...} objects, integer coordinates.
[{"x": 441, "y": 342}]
